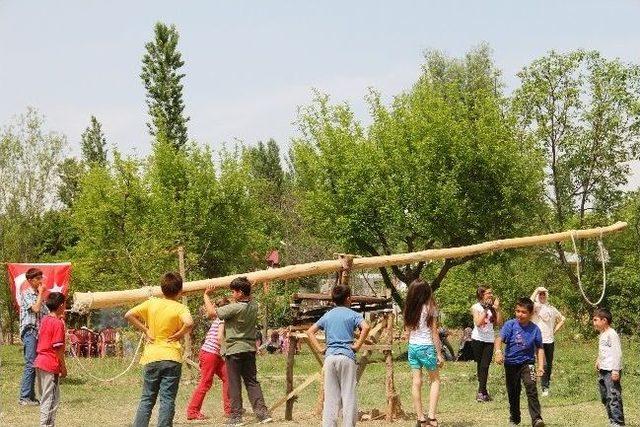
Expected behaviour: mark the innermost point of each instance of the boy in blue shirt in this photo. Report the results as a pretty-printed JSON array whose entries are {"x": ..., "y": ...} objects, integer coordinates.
[
  {"x": 523, "y": 340},
  {"x": 340, "y": 366}
]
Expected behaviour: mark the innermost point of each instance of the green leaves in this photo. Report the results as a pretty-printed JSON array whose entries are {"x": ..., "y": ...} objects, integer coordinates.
[
  {"x": 442, "y": 166},
  {"x": 162, "y": 81},
  {"x": 582, "y": 111}
]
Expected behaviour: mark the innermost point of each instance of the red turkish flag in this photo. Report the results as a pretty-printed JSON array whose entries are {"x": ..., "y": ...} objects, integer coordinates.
[{"x": 56, "y": 278}]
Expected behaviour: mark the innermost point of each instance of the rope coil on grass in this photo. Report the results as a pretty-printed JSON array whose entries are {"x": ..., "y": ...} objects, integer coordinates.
[{"x": 604, "y": 271}]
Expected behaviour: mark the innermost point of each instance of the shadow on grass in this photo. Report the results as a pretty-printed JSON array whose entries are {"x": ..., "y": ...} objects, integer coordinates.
[
  {"x": 75, "y": 381},
  {"x": 78, "y": 400}
]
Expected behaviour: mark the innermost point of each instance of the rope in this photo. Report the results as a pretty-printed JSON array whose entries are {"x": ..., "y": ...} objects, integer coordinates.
[
  {"x": 604, "y": 271},
  {"x": 106, "y": 380}
]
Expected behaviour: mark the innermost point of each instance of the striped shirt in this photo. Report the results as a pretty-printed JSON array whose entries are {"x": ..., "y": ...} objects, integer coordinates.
[
  {"x": 211, "y": 343},
  {"x": 28, "y": 317}
]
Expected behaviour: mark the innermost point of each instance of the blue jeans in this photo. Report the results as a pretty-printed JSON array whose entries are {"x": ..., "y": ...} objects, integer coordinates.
[
  {"x": 27, "y": 387},
  {"x": 611, "y": 395},
  {"x": 160, "y": 378}
]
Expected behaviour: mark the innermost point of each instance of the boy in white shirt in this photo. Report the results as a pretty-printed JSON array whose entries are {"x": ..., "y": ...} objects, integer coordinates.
[{"x": 609, "y": 366}]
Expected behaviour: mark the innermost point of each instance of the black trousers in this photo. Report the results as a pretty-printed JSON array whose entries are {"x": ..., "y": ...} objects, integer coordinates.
[
  {"x": 515, "y": 376},
  {"x": 482, "y": 354},
  {"x": 611, "y": 395},
  {"x": 242, "y": 366},
  {"x": 548, "y": 365}
]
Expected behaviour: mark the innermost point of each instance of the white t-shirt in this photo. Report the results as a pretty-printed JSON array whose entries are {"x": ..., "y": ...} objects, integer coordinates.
[
  {"x": 422, "y": 334},
  {"x": 484, "y": 332},
  {"x": 546, "y": 318},
  {"x": 609, "y": 351}
]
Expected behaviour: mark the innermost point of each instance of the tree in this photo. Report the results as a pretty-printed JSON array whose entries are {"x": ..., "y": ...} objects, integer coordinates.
[
  {"x": 583, "y": 112},
  {"x": 442, "y": 167},
  {"x": 264, "y": 163},
  {"x": 70, "y": 173},
  {"x": 161, "y": 77},
  {"x": 93, "y": 145},
  {"x": 29, "y": 158}
]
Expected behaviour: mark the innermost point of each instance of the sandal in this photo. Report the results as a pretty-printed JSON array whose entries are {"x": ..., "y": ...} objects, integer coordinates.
[{"x": 431, "y": 422}]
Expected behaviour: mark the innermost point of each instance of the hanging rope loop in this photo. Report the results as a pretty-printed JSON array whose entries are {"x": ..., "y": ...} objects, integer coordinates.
[
  {"x": 603, "y": 256},
  {"x": 76, "y": 357}
]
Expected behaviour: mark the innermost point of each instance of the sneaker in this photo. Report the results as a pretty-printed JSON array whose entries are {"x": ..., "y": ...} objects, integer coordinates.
[
  {"x": 29, "y": 402},
  {"x": 266, "y": 420},
  {"x": 483, "y": 397},
  {"x": 236, "y": 422},
  {"x": 545, "y": 392},
  {"x": 538, "y": 423},
  {"x": 197, "y": 416}
]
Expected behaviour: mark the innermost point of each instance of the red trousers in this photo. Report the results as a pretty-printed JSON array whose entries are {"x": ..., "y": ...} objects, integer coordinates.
[{"x": 210, "y": 364}]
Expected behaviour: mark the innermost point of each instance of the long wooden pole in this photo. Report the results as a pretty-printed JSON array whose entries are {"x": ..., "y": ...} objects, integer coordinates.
[{"x": 94, "y": 300}]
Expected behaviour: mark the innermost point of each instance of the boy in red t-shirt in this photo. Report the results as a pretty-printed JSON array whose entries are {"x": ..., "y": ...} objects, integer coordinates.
[{"x": 50, "y": 358}]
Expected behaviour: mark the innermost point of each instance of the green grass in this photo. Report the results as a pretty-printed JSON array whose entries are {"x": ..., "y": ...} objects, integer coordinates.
[{"x": 574, "y": 399}]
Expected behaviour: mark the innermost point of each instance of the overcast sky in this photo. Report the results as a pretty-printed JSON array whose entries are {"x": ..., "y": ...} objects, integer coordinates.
[{"x": 249, "y": 64}]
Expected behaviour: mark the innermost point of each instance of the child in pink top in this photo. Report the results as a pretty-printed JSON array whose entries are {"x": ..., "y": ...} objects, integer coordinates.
[{"x": 211, "y": 363}]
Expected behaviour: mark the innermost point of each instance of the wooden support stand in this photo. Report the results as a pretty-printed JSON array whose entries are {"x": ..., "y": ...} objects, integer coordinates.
[
  {"x": 193, "y": 368},
  {"x": 291, "y": 354}
]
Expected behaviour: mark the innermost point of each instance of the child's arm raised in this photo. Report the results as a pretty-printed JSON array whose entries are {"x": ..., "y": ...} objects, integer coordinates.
[
  {"x": 209, "y": 306},
  {"x": 496, "y": 307}
]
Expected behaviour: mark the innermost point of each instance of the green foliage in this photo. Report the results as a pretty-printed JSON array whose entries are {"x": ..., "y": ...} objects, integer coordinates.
[
  {"x": 135, "y": 209},
  {"x": 583, "y": 111},
  {"x": 70, "y": 173},
  {"x": 162, "y": 81},
  {"x": 93, "y": 144},
  {"x": 442, "y": 166}
]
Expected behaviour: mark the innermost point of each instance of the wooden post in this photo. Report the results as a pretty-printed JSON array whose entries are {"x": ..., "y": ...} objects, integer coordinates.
[
  {"x": 393, "y": 401},
  {"x": 346, "y": 261},
  {"x": 187, "y": 338},
  {"x": 293, "y": 345},
  {"x": 265, "y": 312},
  {"x": 317, "y": 411}
]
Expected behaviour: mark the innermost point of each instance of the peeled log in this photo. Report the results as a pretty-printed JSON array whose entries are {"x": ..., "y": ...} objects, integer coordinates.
[{"x": 83, "y": 301}]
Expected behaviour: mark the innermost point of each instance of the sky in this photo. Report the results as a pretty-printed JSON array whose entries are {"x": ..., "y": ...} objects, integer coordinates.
[{"x": 250, "y": 64}]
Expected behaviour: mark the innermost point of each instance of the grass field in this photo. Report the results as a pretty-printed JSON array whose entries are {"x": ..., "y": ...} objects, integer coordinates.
[{"x": 573, "y": 402}]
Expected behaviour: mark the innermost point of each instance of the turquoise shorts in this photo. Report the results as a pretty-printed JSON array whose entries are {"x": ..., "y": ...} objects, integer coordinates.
[{"x": 423, "y": 356}]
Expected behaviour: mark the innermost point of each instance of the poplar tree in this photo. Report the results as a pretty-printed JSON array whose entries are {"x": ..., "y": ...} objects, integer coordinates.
[
  {"x": 161, "y": 76},
  {"x": 94, "y": 144}
]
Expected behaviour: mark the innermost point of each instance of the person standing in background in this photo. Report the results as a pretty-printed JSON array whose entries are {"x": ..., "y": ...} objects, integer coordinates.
[
  {"x": 549, "y": 320},
  {"x": 32, "y": 309}
]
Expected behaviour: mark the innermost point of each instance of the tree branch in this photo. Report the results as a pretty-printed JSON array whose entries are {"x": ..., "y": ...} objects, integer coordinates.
[{"x": 449, "y": 263}]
